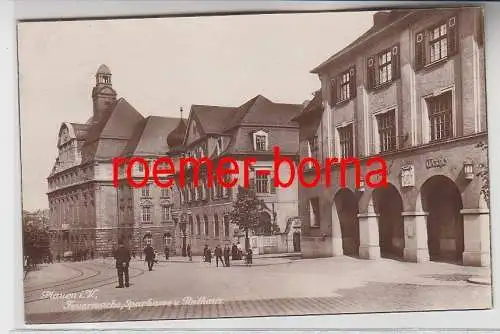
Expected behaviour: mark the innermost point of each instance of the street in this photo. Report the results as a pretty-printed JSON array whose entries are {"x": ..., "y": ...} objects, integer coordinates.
[{"x": 85, "y": 291}]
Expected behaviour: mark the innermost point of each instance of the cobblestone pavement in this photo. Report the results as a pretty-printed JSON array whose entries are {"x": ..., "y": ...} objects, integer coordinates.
[{"x": 315, "y": 286}]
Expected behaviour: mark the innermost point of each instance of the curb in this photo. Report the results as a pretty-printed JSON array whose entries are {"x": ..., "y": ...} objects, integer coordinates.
[{"x": 479, "y": 280}]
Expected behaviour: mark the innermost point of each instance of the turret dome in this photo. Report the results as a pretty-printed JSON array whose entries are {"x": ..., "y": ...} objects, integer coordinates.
[
  {"x": 103, "y": 69},
  {"x": 176, "y": 137}
]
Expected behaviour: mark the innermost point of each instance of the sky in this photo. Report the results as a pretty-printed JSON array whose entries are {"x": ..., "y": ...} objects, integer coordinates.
[{"x": 161, "y": 64}]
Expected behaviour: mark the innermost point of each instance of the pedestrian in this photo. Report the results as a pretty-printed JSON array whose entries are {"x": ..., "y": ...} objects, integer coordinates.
[
  {"x": 167, "y": 253},
  {"x": 249, "y": 257},
  {"x": 209, "y": 256},
  {"x": 218, "y": 255},
  {"x": 122, "y": 257},
  {"x": 240, "y": 250},
  {"x": 91, "y": 254},
  {"x": 234, "y": 252},
  {"x": 205, "y": 250},
  {"x": 190, "y": 255},
  {"x": 226, "y": 255},
  {"x": 149, "y": 253}
]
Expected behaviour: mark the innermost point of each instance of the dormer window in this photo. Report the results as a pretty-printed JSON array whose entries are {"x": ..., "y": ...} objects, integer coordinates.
[{"x": 260, "y": 141}]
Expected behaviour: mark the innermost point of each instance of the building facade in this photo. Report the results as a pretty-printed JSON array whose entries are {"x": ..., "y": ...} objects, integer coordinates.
[
  {"x": 88, "y": 214},
  {"x": 412, "y": 91},
  {"x": 251, "y": 130}
]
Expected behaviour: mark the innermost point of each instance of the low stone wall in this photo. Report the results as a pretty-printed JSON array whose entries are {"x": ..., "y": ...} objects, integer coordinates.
[{"x": 313, "y": 247}]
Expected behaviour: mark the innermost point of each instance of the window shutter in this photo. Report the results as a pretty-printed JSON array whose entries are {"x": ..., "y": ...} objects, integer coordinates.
[
  {"x": 480, "y": 29},
  {"x": 352, "y": 81},
  {"x": 419, "y": 50},
  {"x": 452, "y": 36},
  {"x": 273, "y": 188},
  {"x": 395, "y": 63},
  {"x": 370, "y": 72},
  {"x": 333, "y": 92}
]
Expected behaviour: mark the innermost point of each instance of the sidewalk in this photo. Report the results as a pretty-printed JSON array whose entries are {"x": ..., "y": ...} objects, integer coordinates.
[{"x": 256, "y": 261}]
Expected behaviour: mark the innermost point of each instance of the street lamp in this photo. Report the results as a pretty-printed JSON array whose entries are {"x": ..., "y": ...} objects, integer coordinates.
[{"x": 468, "y": 169}]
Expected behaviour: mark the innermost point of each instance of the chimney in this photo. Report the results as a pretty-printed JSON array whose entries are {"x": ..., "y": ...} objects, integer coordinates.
[{"x": 381, "y": 18}]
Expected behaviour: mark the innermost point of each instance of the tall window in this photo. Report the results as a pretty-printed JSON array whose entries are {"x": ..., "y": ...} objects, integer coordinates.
[
  {"x": 440, "y": 116},
  {"x": 346, "y": 141},
  {"x": 226, "y": 226},
  {"x": 205, "y": 221},
  {"x": 385, "y": 67},
  {"x": 345, "y": 87},
  {"x": 219, "y": 190},
  {"x": 164, "y": 192},
  {"x": 261, "y": 182},
  {"x": 313, "y": 147},
  {"x": 165, "y": 213},
  {"x": 146, "y": 214},
  {"x": 145, "y": 191},
  {"x": 387, "y": 130},
  {"x": 438, "y": 43},
  {"x": 260, "y": 142},
  {"x": 216, "y": 225},
  {"x": 314, "y": 212},
  {"x": 198, "y": 224},
  {"x": 191, "y": 224}
]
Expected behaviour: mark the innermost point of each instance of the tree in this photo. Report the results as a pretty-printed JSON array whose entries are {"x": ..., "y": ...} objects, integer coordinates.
[
  {"x": 246, "y": 212},
  {"x": 484, "y": 174}
]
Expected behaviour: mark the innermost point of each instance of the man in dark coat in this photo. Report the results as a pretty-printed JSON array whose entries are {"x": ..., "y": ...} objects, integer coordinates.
[
  {"x": 227, "y": 251},
  {"x": 234, "y": 252},
  {"x": 149, "y": 253},
  {"x": 167, "y": 253},
  {"x": 122, "y": 257},
  {"x": 218, "y": 255}
]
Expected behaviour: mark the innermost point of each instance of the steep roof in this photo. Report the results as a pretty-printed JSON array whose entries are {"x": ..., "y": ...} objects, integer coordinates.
[
  {"x": 117, "y": 124},
  {"x": 81, "y": 130},
  {"x": 212, "y": 119},
  {"x": 313, "y": 108},
  {"x": 260, "y": 110},
  {"x": 150, "y": 136},
  {"x": 392, "y": 17}
]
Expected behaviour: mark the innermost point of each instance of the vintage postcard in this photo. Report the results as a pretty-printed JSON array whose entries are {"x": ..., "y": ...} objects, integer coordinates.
[{"x": 254, "y": 165}]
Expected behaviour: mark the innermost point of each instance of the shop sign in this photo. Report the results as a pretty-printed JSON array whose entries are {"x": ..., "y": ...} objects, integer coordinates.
[
  {"x": 407, "y": 176},
  {"x": 436, "y": 163}
]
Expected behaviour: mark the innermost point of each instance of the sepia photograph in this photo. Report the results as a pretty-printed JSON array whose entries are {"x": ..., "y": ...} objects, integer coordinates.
[{"x": 254, "y": 165}]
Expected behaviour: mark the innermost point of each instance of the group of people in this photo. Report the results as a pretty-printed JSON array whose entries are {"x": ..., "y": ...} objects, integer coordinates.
[
  {"x": 123, "y": 257},
  {"x": 235, "y": 252}
]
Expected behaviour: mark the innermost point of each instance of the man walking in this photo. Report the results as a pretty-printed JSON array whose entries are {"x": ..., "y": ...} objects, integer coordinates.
[
  {"x": 227, "y": 251},
  {"x": 218, "y": 255},
  {"x": 122, "y": 257},
  {"x": 149, "y": 253}
]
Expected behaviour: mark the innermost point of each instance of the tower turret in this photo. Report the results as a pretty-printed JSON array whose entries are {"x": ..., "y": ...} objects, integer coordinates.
[{"x": 103, "y": 94}]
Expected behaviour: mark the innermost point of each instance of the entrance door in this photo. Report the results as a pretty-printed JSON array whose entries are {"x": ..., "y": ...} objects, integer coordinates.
[{"x": 296, "y": 241}]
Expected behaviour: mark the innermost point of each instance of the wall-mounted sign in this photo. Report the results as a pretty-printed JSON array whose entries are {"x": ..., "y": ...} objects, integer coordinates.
[
  {"x": 436, "y": 163},
  {"x": 407, "y": 176}
]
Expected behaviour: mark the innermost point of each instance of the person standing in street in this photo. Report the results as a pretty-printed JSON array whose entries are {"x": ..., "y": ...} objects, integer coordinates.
[
  {"x": 122, "y": 257},
  {"x": 149, "y": 253},
  {"x": 167, "y": 253},
  {"x": 249, "y": 257},
  {"x": 189, "y": 254},
  {"x": 227, "y": 252},
  {"x": 218, "y": 255}
]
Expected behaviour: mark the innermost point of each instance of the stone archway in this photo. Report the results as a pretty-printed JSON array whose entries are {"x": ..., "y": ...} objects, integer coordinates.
[
  {"x": 442, "y": 200},
  {"x": 388, "y": 204},
  {"x": 344, "y": 212}
]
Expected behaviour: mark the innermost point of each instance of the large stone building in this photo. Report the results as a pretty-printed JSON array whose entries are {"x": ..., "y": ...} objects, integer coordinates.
[
  {"x": 88, "y": 214},
  {"x": 250, "y": 130},
  {"x": 410, "y": 90}
]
